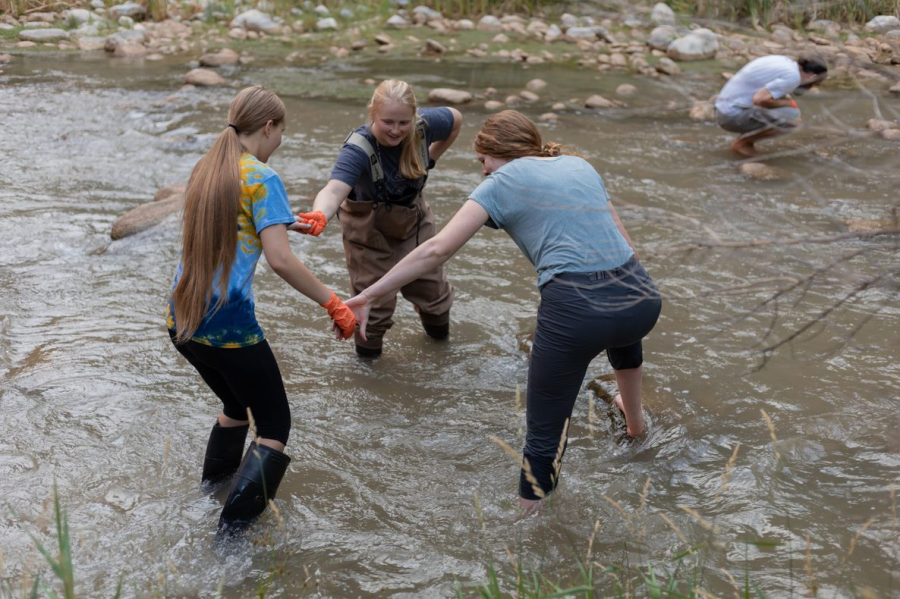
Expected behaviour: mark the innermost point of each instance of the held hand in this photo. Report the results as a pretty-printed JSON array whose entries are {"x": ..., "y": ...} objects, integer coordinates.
[
  {"x": 361, "y": 308},
  {"x": 343, "y": 317},
  {"x": 315, "y": 223}
]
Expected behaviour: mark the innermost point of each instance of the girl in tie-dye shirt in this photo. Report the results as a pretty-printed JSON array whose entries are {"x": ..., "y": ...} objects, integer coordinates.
[{"x": 235, "y": 210}]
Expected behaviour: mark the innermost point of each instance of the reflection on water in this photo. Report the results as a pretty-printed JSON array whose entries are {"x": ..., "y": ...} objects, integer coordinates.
[{"x": 388, "y": 456}]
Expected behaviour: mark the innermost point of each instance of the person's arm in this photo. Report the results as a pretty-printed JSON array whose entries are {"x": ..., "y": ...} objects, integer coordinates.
[
  {"x": 287, "y": 266},
  {"x": 327, "y": 202},
  {"x": 431, "y": 254},
  {"x": 437, "y": 148},
  {"x": 621, "y": 227},
  {"x": 763, "y": 98}
]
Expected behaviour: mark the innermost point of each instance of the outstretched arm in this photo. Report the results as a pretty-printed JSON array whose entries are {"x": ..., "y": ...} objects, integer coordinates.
[
  {"x": 287, "y": 266},
  {"x": 437, "y": 148},
  {"x": 327, "y": 203},
  {"x": 431, "y": 254},
  {"x": 764, "y": 98}
]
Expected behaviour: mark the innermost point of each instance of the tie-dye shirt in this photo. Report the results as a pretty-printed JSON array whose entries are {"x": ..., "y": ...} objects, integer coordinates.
[{"x": 263, "y": 203}]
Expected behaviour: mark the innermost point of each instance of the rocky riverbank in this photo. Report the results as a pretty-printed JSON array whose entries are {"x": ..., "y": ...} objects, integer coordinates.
[{"x": 647, "y": 43}]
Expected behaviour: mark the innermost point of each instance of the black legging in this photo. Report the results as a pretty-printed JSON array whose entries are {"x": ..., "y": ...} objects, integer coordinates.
[
  {"x": 244, "y": 377},
  {"x": 580, "y": 316}
]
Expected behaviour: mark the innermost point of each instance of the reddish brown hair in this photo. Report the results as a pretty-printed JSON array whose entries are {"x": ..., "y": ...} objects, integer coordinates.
[{"x": 510, "y": 134}]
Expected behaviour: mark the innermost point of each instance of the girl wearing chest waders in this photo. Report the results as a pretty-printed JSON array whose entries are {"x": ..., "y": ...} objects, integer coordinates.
[
  {"x": 236, "y": 209},
  {"x": 595, "y": 295},
  {"x": 376, "y": 185}
]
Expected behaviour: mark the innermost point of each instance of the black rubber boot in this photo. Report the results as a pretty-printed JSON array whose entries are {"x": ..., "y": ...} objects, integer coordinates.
[
  {"x": 437, "y": 326},
  {"x": 368, "y": 352},
  {"x": 223, "y": 452},
  {"x": 254, "y": 485}
]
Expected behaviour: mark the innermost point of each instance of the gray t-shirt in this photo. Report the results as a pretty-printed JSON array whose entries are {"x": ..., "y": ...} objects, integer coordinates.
[
  {"x": 779, "y": 74},
  {"x": 352, "y": 165},
  {"x": 557, "y": 212}
]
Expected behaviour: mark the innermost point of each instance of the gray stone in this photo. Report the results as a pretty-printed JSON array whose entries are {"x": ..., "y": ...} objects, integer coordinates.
[
  {"x": 494, "y": 105},
  {"x": 489, "y": 23},
  {"x": 697, "y": 45},
  {"x": 568, "y": 20},
  {"x": 121, "y": 37},
  {"x": 130, "y": 50},
  {"x": 891, "y": 134},
  {"x": 661, "y": 37},
  {"x": 256, "y": 20},
  {"x": 329, "y": 24},
  {"x": 79, "y": 16},
  {"x": 529, "y": 96},
  {"x": 667, "y": 66},
  {"x": 204, "y": 78},
  {"x": 879, "y": 125},
  {"x": 5, "y": 58},
  {"x": 37, "y": 25},
  {"x": 597, "y": 101},
  {"x": 662, "y": 14},
  {"x": 883, "y": 23},
  {"x": 763, "y": 172},
  {"x": 625, "y": 90},
  {"x": 703, "y": 111},
  {"x": 582, "y": 33},
  {"x": 465, "y": 25},
  {"x": 397, "y": 22},
  {"x": 895, "y": 89},
  {"x": 429, "y": 13},
  {"x": 383, "y": 39},
  {"x": 553, "y": 33},
  {"x": 219, "y": 58},
  {"x": 129, "y": 9},
  {"x": 548, "y": 117},
  {"x": 445, "y": 95},
  {"x": 346, "y": 13},
  {"x": 43, "y": 35},
  {"x": 820, "y": 25},
  {"x": 536, "y": 85},
  {"x": 434, "y": 47},
  {"x": 322, "y": 10},
  {"x": 91, "y": 42},
  {"x": 125, "y": 21},
  {"x": 893, "y": 34}
]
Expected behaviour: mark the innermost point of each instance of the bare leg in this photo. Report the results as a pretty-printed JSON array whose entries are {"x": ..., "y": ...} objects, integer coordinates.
[
  {"x": 528, "y": 507},
  {"x": 743, "y": 145},
  {"x": 226, "y": 422},
  {"x": 629, "y": 399}
]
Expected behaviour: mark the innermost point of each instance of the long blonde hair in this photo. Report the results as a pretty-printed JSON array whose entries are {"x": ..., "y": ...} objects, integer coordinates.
[
  {"x": 211, "y": 206},
  {"x": 400, "y": 92},
  {"x": 510, "y": 134}
]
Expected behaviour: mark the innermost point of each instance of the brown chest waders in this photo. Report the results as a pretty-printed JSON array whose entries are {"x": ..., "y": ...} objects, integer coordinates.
[{"x": 376, "y": 237}]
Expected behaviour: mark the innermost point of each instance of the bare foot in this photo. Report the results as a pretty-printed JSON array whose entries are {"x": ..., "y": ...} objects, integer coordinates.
[
  {"x": 743, "y": 148},
  {"x": 528, "y": 507},
  {"x": 629, "y": 429}
]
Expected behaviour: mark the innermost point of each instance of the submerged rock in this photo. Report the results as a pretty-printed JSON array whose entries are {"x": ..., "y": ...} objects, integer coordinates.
[
  {"x": 219, "y": 58},
  {"x": 598, "y": 101},
  {"x": 763, "y": 172},
  {"x": 147, "y": 215}
]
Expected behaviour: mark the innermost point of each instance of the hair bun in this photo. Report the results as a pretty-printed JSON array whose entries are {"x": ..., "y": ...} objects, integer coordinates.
[{"x": 551, "y": 148}]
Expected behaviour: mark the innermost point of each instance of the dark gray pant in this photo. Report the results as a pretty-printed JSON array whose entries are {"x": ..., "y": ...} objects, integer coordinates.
[{"x": 581, "y": 314}]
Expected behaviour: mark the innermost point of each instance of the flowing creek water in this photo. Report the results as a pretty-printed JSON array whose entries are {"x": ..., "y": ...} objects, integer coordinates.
[{"x": 389, "y": 456}]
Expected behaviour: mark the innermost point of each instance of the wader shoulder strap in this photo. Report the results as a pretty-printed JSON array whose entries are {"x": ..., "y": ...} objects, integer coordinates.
[{"x": 375, "y": 167}]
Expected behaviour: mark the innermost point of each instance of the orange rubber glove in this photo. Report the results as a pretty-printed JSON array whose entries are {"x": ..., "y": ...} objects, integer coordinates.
[
  {"x": 316, "y": 220},
  {"x": 794, "y": 104},
  {"x": 342, "y": 315}
]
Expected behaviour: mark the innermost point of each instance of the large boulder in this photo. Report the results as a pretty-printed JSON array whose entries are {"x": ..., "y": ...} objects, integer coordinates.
[
  {"x": 204, "y": 78},
  {"x": 130, "y": 50},
  {"x": 662, "y": 14},
  {"x": 146, "y": 215},
  {"x": 582, "y": 33},
  {"x": 122, "y": 37},
  {"x": 701, "y": 44},
  {"x": 328, "y": 24},
  {"x": 256, "y": 20},
  {"x": 445, "y": 95},
  {"x": 661, "y": 37},
  {"x": 91, "y": 42},
  {"x": 883, "y": 23},
  {"x": 43, "y": 35}
]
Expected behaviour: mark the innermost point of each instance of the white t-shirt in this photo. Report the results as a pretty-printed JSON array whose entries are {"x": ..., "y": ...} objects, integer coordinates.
[{"x": 779, "y": 74}]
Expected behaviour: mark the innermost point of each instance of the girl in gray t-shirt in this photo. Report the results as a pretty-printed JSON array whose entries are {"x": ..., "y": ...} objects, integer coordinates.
[{"x": 595, "y": 295}]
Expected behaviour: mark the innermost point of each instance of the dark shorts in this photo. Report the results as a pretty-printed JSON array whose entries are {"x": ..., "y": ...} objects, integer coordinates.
[
  {"x": 756, "y": 119},
  {"x": 244, "y": 377},
  {"x": 580, "y": 316}
]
